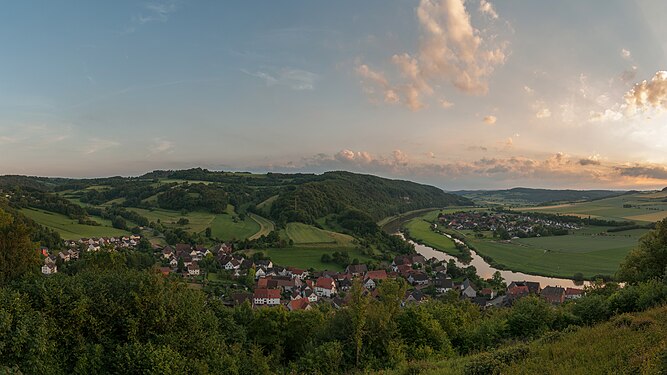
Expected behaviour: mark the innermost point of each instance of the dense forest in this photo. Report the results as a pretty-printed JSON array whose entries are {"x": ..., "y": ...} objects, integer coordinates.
[{"x": 113, "y": 314}]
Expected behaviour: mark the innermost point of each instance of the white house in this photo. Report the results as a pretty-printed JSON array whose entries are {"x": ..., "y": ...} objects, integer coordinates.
[{"x": 49, "y": 268}]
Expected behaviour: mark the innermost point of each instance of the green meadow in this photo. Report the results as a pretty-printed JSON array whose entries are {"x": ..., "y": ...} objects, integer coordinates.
[
  {"x": 70, "y": 229},
  {"x": 590, "y": 251},
  {"x": 304, "y": 234},
  {"x": 640, "y": 207}
]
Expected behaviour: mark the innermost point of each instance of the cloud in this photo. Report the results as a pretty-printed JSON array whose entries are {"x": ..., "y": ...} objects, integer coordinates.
[
  {"x": 626, "y": 54},
  {"x": 653, "y": 172},
  {"x": 585, "y": 162},
  {"x": 296, "y": 79},
  {"x": 490, "y": 120},
  {"x": 446, "y": 104},
  {"x": 152, "y": 12},
  {"x": 160, "y": 146},
  {"x": 543, "y": 113},
  {"x": 486, "y": 8},
  {"x": 95, "y": 145},
  {"x": 451, "y": 50},
  {"x": 528, "y": 90},
  {"x": 648, "y": 94}
]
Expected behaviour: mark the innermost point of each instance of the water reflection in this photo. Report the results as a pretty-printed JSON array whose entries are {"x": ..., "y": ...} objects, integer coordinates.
[{"x": 485, "y": 270}]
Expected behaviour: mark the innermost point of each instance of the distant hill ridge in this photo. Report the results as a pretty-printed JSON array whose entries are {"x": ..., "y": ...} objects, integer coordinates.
[{"x": 537, "y": 196}]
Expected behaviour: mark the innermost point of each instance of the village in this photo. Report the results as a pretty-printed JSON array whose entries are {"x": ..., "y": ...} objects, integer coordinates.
[
  {"x": 507, "y": 224},
  {"x": 273, "y": 285}
]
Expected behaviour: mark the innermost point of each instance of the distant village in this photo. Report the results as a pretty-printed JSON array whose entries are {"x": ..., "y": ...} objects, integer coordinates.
[
  {"x": 298, "y": 289},
  {"x": 510, "y": 225}
]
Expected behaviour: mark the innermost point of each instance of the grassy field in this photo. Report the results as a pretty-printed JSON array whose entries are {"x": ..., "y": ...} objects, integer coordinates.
[
  {"x": 225, "y": 228},
  {"x": 590, "y": 251},
  {"x": 266, "y": 226},
  {"x": 70, "y": 229},
  {"x": 420, "y": 231},
  {"x": 303, "y": 234},
  {"x": 640, "y": 207},
  {"x": 310, "y": 257}
]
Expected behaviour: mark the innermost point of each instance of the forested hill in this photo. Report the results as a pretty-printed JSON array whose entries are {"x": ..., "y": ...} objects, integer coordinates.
[
  {"x": 521, "y": 195},
  {"x": 335, "y": 192},
  {"x": 301, "y": 197}
]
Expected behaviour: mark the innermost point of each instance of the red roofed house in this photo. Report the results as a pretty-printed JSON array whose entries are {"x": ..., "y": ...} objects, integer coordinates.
[
  {"x": 517, "y": 291},
  {"x": 573, "y": 293},
  {"x": 266, "y": 297},
  {"x": 299, "y": 304},
  {"x": 325, "y": 287},
  {"x": 372, "y": 278}
]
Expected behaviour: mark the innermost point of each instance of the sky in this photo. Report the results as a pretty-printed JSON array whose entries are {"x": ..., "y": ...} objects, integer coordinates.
[{"x": 473, "y": 94}]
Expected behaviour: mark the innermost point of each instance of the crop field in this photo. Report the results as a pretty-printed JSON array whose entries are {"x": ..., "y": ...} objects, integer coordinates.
[
  {"x": 303, "y": 234},
  {"x": 70, "y": 229},
  {"x": 640, "y": 207},
  {"x": 310, "y": 257}
]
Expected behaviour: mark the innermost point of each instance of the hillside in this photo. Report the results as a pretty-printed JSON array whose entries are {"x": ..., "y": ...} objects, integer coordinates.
[
  {"x": 198, "y": 205},
  {"x": 528, "y": 196},
  {"x": 378, "y": 197},
  {"x": 628, "y": 344}
]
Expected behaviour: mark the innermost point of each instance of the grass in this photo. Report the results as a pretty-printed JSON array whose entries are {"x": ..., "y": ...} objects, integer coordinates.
[
  {"x": 303, "y": 234},
  {"x": 644, "y": 207},
  {"x": 590, "y": 251},
  {"x": 307, "y": 257},
  {"x": 627, "y": 344},
  {"x": 225, "y": 228},
  {"x": 420, "y": 231},
  {"x": 70, "y": 229}
]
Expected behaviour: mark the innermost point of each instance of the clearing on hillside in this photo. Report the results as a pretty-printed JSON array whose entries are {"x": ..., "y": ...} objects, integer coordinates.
[{"x": 303, "y": 234}]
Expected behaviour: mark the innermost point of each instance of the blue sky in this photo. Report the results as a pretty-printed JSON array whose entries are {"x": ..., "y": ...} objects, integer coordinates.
[{"x": 474, "y": 94}]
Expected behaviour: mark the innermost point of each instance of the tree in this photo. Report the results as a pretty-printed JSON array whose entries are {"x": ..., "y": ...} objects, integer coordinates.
[
  {"x": 358, "y": 305},
  {"x": 181, "y": 265},
  {"x": 208, "y": 232},
  {"x": 18, "y": 255},
  {"x": 649, "y": 259}
]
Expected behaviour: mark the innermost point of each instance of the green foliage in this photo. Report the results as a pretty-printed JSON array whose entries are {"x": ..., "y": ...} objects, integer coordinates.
[
  {"x": 649, "y": 259},
  {"x": 18, "y": 255}
]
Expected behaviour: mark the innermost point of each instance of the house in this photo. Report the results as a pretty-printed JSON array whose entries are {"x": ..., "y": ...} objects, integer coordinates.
[
  {"x": 173, "y": 263},
  {"x": 443, "y": 285},
  {"x": 193, "y": 269},
  {"x": 573, "y": 293},
  {"x": 325, "y": 287},
  {"x": 517, "y": 291},
  {"x": 533, "y": 287},
  {"x": 298, "y": 273},
  {"x": 345, "y": 284},
  {"x": 414, "y": 296},
  {"x": 167, "y": 252},
  {"x": 63, "y": 256},
  {"x": 299, "y": 304},
  {"x": 260, "y": 272},
  {"x": 49, "y": 268},
  {"x": 232, "y": 264},
  {"x": 310, "y": 295},
  {"x": 266, "y": 263},
  {"x": 418, "y": 278},
  {"x": 372, "y": 277},
  {"x": 356, "y": 269},
  {"x": 468, "y": 291},
  {"x": 488, "y": 292},
  {"x": 553, "y": 294},
  {"x": 266, "y": 297}
]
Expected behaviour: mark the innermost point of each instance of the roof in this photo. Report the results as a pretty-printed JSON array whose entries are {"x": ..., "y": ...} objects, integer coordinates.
[
  {"x": 555, "y": 291},
  {"x": 325, "y": 282},
  {"x": 518, "y": 290},
  {"x": 376, "y": 275},
  {"x": 573, "y": 292},
  {"x": 266, "y": 293},
  {"x": 298, "y": 304},
  {"x": 357, "y": 268}
]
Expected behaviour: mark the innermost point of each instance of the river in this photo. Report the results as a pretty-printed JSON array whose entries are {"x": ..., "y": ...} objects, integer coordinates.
[{"x": 486, "y": 271}]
